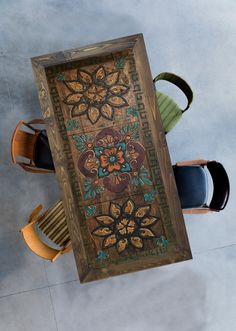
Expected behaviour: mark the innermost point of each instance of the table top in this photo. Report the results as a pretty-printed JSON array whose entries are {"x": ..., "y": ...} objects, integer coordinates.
[{"x": 111, "y": 158}]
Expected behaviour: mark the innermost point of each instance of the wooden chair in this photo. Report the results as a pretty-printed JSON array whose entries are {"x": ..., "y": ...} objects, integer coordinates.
[
  {"x": 52, "y": 224},
  {"x": 192, "y": 184},
  {"x": 32, "y": 146}
]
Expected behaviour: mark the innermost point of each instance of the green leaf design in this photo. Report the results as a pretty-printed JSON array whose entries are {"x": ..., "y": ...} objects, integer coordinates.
[
  {"x": 81, "y": 141},
  {"x": 91, "y": 190},
  {"x": 120, "y": 63},
  {"x": 60, "y": 76},
  {"x": 149, "y": 196},
  {"x": 102, "y": 255},
  {"x": 132, "y": 112},
  {"x": 90, "y": 210},
  {"x": 132, "y": 129},
  {"x": 72, "y": 125},
  {"x": 142, "y": 178},
  {"x": 146, "y": 181},
  {"x": 162, "y": 243}
]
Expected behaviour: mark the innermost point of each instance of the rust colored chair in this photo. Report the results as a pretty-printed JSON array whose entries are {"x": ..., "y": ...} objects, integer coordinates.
[
  {"x": 192, "y": 184},
  {"x": 33, "y": 146},
  {"x": 52, "y": 224}
]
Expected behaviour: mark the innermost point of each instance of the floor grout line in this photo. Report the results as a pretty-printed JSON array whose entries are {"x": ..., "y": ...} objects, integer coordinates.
[
  {"x": 49, "y": 286},
  {"x": 213, "y": 249},
  {"x": 38, "y": 288},
  {"x": 50, "y": 294},
  {"x": 53, "y": 309},
  {"x": 21, "y": 292}
]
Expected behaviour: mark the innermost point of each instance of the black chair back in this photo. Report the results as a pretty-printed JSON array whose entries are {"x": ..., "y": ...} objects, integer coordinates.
[{"x": 221, "y": 185}]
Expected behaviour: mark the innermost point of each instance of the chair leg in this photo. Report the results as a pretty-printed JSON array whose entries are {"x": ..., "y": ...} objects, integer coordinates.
[
  {"x": 56, "y": 256},
  {"x": 67, "y": 249}
]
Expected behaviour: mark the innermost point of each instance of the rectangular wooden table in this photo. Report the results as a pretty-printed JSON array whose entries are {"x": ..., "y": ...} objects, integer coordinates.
[{"x": 111, "y": 158}]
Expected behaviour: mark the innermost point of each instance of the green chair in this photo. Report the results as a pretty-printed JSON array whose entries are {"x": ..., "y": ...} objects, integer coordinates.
[{"x": 171, "y": 113}]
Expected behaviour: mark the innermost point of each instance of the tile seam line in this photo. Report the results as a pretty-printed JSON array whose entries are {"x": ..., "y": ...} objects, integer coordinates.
[
  {"x": 21, "y": 292},
  {"x": 76, "y": 280},
  {"x": 36, "y": 289},
  {"x": 213, "y": 249},
  {"x": 50, "y": 295}
]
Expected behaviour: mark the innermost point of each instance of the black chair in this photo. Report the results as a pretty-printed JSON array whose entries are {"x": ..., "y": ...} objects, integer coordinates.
[{"x": 192, "y": 184}]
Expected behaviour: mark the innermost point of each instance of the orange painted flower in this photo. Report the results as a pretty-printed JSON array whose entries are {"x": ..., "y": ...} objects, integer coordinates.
[{"x": 112, "y": 159}]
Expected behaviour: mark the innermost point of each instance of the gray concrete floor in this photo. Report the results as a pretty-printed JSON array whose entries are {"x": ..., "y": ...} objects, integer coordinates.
[{"x": 195, "y": 39}]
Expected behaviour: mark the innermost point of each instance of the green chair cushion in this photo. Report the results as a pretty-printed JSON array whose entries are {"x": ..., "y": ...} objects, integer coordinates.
[{"x": 170, "y": 111}]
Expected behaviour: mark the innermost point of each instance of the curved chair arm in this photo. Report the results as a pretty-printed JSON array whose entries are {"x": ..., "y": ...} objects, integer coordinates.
[
  {"x": 36, "y": 245},
  {"x": 179, "y": 82},
  {"x": 192, "y": 162},
  {"x": 33, "y": 216},
  {"x": 33, "y": 169},
  {"x": 20, "y": 123},
  {"x": 35, "y": 121}
]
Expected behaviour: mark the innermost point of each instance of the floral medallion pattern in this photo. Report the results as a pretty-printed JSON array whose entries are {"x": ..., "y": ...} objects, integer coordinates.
[
  {"x": 95, "y": 94},
  {"x": 111, "y": 160},
  {"x": 126, "y": 226}
]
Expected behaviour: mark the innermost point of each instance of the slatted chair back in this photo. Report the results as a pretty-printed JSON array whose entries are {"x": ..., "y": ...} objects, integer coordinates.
[
  {"x": 54, "y": 226},
  {"x": 54, "y": 217}
]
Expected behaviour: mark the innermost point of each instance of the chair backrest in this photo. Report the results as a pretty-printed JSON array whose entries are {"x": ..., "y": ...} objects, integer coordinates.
[
  {"x": 53, "y": 224},
  {"x": 22, "y": 143},
  {"x": 170, "y": 112},
  {"x": 221, "y": 187}
]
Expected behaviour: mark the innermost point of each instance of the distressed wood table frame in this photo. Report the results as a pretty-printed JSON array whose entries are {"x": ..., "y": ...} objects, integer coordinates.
[{"x": 111, "y": 158}]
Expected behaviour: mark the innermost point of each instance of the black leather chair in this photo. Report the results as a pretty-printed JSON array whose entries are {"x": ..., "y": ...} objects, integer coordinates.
[{"x": 192, "y": 184}]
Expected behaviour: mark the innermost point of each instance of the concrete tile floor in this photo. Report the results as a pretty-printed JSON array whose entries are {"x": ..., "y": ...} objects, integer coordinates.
[{"x": 193, "y": 39}]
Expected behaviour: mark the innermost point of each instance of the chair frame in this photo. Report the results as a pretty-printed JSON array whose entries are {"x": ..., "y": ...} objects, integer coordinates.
[
  {"x": 204, "y": 209},
  {"x": 35, "y": 243},
  {"x": 19, "y": 148}
]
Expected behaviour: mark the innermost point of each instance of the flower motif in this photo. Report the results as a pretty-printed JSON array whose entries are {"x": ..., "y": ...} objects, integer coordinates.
[
  {"x": 95, "y": 94},
  {"x": 110, "y": 157},
  {"x": 125, "y": 226}
]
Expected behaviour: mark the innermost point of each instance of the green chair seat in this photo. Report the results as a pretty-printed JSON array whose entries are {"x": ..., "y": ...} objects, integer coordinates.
[{"x": 170, "y": 112}]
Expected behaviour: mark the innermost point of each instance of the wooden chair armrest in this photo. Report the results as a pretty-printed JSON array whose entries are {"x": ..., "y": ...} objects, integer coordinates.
[
  {"x": 34, "y": 170},
  {"x": 34, "y": 214},
  {"x": 67, "y": 248},
  {"x": 198, "y": 211},
  {"x": 192, "y": 162},
  {"x": 35, "y": 121}
]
